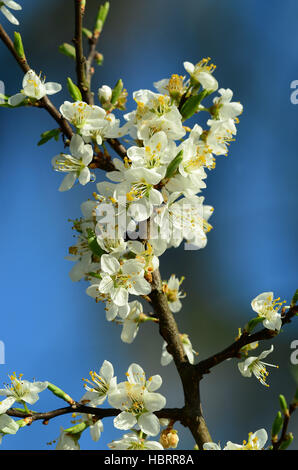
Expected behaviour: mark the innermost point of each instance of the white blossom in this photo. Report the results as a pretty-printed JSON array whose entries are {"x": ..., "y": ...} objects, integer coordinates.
[
  {"x": 4, "y": 5},
  {"x": 256, "y": 366},
  {"x": 76, "y": 164},
  {"x": 171, "y": 289},
  {"x": 67, "y": 441},
  {"x": 102, "y": 385},
  {"x": 138, "y": 402},
  {"x": 132, "y": 321},
  {"x": 34, "y": 87},
  {"x": 134, "y": 442},
  {"x": 256, "y": 441},
  {"x": 120, "y": 280},
  {"x": 225, "y": 108},
  {"x": 202, "y": 73},
  {"x": 20, "y": 391},
  {"x": 266, "y": 306},
  {"x": 7, "y": 426}
]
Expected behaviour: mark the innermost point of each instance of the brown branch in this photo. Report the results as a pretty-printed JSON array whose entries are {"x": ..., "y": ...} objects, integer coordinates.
[
  {"x": 174, "y": 414},
  {"x": 284, "y": 432},
  {"x": 203, "y": 367},
  {"x": 80, "y": 59},
  {"x": 44, "y": 102},
  {"x": 192, "y": 412}
]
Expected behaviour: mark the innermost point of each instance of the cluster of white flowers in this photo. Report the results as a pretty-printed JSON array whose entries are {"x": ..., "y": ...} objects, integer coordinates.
[
  {"x": 151, "y": 201},
  {"x": 137, "y": 400},
  {"x": 256, "y": 441},
  {"x": 149, "y": 204}
]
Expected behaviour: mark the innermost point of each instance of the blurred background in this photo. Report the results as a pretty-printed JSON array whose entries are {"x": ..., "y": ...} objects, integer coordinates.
[{"x": 51, "y": 329}]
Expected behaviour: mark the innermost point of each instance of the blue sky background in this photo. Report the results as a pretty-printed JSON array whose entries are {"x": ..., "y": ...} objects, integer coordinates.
[{"x": 51, "y": 329}]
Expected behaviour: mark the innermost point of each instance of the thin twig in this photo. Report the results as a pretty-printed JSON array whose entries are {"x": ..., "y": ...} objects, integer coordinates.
[
  {"x": 203, "y": 367},
  {"x": 168, "y": 413}
]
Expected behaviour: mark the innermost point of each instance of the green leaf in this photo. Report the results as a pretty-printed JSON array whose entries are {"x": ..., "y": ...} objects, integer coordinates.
[
  {"x": 253, "y": 323},
  {"x": 74, "y": 91},
  {"x": 277, "y": 425},
  {"x": 284, "y": 445},
  {"x": 48, "y": 135},
  {"x": 190, "y": 107},
  {"x": 101, "y": 18},
  {"x": 173, "y": 166},
  {"x": 283, "y": 404},
  {"x": 68, "y": 50},
  {"x": 87, "y": 33},
  {"x": 116, "y": 92},
  {"x": 18, "y": 45},
  {"x": 93, "y": 245},
  {"x": 77, "y": 429}
]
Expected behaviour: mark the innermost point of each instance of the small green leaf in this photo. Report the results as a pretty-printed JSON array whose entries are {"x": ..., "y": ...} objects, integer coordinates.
[
  {"x": 173, "y": 166},
  {"x": 77, "y": 429},
  {"x": 93, "y": 245},
  {"x": 18, "y": 45},
  {"x": 283, "y": 404},
  {"x": 68, "y": 50},
  {"x": 74, "y": 91},
  {"x": 101, "y": 18},
  {"x": 116, "y": 92},
  {"x": 48, "y": 135},
  {"x": 253, "y": 323},
  {"x": 285, "y": 444},
  {"x": 277, "y": 425},
  {"x": 87, "y": 33},
  {"x": 190, "y": 107}
]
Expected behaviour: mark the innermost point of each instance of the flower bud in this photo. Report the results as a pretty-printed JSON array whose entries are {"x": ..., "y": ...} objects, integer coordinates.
[
  {"x": 169, "y": 438},
  {"x": 59, "y": 393},
  {"x": 104, "y": 94}
]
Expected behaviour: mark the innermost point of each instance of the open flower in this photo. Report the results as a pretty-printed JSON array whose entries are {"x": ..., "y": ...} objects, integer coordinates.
[
  {"x": 76, "y": 164},
  {"x": 67, "y": 441},
  {"x": 20, "y": 391},
  {"x": 120, "y": 280},
  {"x": 202, "y": 73},
  {"x": 102, "y": 384},
  {"x": 134, "y": 442},
  {"x": 256, "y": 441},
  {"x": 224, "y": 107},
  {"x": 171, "y": 289},
  {"x": 7, "y": 426},
  {"x": 137, "y": 400},
  {"x": 132, "y": 322},
  {"x": 255, "y": 365},
  {"x": 266, "y": 306},
  {"x": 34, "y": 87},
  {"x": 4, "y": 5}
]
